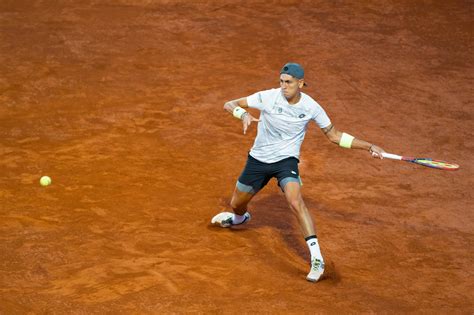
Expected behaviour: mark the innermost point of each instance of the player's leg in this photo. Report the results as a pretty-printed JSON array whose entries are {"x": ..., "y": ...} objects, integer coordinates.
[
  {"x": 287, "y": 174},
  {"x": 238, "y": 203},
  {"x": 241, "y": 198},
  {"x": 295, "y": 200},
  {"x": 292, "y": 191},
  {"x": 289, "y": 181},
  {"x": 252, "y": 179}
]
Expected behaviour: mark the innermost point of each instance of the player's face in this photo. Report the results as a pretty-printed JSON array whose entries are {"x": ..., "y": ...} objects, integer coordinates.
[{"x": 290, "y": 85}]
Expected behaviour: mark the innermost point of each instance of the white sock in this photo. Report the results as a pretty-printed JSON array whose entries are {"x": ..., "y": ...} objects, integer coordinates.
[
  {"x": 313, "y": 246},
  {"x": 237, "y": 219}
]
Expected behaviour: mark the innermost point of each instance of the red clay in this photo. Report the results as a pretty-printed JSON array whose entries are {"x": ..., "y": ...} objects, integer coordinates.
[{"x": 120, "y": 103}]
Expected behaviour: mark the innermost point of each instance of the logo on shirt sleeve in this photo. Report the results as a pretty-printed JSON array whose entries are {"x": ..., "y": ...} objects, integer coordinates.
[{"x": 302, "y": 116}]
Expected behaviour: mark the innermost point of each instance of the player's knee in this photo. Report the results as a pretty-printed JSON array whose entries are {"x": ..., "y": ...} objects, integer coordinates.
[{"x": 296, "y": 204}]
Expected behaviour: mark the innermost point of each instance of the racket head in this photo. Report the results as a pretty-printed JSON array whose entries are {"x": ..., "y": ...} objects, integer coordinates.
[{"x": 438, "y": 164}]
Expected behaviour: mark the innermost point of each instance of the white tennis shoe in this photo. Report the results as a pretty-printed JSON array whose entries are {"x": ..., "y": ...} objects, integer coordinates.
[
  {"x": 317, "y": 270},
  {"x": 225, "y": 219}
]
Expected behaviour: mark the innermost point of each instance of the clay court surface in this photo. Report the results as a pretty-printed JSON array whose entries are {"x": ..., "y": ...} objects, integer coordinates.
[{"x": 120, "y": 102}]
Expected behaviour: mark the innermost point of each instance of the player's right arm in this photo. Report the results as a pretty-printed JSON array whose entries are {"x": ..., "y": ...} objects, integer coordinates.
[
  {"x": 236, "y": 108},
  {"x": 337, "y": 137}
]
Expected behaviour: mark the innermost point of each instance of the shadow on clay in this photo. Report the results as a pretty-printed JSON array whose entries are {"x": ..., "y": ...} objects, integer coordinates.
[{"x": 272, "y": 210}]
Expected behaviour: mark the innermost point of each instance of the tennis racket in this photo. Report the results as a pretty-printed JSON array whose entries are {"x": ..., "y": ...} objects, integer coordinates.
[{"x": 441, "y": 165}]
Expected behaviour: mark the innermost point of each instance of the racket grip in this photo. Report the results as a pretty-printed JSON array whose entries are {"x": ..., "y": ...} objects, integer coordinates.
[{"x": 391, "y": 156}]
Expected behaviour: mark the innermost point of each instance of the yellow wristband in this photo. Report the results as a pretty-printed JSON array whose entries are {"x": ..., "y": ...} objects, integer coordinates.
[
  {"x": 238, "y": 112},
  {"x": 346, "y": 140}
]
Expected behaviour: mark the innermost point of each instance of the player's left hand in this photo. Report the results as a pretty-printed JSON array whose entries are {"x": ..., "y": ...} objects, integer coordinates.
[
  {"x": 376, "y": 151},
  {"x": 247, "y": 120}
]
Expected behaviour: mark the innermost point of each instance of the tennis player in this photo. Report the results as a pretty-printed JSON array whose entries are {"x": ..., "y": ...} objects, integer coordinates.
[{"x": 284, "y": 117}]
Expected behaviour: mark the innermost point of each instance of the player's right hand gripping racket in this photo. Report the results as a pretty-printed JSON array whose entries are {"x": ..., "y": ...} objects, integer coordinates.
[{"x": 442, "y": 165}]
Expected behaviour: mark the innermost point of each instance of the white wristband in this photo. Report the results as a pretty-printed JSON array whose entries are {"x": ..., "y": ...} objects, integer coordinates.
[
  {"x": 238, "y": 112},
  {"x": 346, "y": 140}
]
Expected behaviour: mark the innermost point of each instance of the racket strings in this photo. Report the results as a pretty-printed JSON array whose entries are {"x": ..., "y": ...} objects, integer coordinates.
[{"x": 436, "y": 164}]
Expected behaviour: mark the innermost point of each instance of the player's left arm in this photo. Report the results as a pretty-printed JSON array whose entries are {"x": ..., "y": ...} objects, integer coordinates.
[
  {"x": 347, "y": 141},
  {"x": 241, "y": 113}
]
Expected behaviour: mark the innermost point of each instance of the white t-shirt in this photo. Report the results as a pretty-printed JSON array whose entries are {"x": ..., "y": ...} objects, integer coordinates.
[{"x": 282, "y": 126}]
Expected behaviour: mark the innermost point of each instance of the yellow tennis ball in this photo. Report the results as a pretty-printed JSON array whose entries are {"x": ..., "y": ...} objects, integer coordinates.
[{"x": 45, "y": 181}]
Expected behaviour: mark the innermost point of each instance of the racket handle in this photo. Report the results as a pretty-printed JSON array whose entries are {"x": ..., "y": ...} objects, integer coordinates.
[{"x": 391, "y": 156}]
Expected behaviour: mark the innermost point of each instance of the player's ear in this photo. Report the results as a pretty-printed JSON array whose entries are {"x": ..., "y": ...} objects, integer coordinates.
[{"x": 300, "y": 83}]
